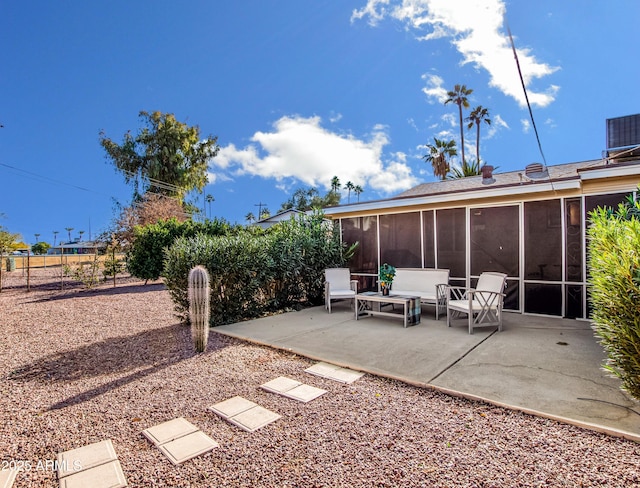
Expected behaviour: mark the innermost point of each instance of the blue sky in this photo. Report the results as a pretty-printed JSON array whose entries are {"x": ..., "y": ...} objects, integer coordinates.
[{"x": 297, "y": 91}]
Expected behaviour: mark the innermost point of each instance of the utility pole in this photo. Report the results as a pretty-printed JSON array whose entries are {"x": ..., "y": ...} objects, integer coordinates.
[{"x": 260, "y": 205}]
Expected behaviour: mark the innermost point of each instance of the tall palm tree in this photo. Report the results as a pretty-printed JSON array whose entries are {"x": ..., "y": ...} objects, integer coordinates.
[
  {"x": 37, "y": 237},
  {"x": 335, "y": 184},
  {"x": 250, "y": 217},
  {"x": 80, "y": 232},
  {"x": 209, "y": 198},
  {"x": 477, "y": 116},
  {"x": 55, "y": 235},
  {"x": 349, "y": 186},
  {"x": 69, "y": 229},
  {"x": 439, "y": 154},
  {"x": 357, "y": 190},
  {"x": 459, "y": 96}
]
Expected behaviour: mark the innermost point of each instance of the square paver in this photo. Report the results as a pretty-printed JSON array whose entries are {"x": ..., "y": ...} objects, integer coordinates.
[
  {"x": 254, "y": 418},
  {"x": 170, "y": 430},
  {"x": 188, "y": 447},
  {"x": 108, "y": 475},
  {"x": 280, "y": 385},
  {"x": 244, "y": 413},
  {"x": 232, "y": 406},
  {"x": 86, "y": 457},
  {"x": 305, "y": 393},
  {"x": 293, "y": 389},
  {"x": 7, "y": 477},
  {"x": 333, "y": 372}
]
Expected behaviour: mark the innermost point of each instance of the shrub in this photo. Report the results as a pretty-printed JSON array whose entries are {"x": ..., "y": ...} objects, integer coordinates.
[
  {"x": 253, "y": 273},
  {"x": 145, "y": 258},
  {"x": 614, "y": 265}
]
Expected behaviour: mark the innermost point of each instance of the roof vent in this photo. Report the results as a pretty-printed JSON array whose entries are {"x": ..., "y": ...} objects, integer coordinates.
[
  {"x": 487, "y": 174},
  {"x": 535, "y": 171}
]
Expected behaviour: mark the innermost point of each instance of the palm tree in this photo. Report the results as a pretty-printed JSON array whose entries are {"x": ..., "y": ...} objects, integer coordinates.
[
  {"x": 80, "y": 232},
  {"x": 349, "y": 186},
  {"x": 209, "y": 198},
  {"x": 37, "y": 237},
  {"x": 477, "y": 116},
  {"x": 335, "y": 184},
  {"x": 357, "y": 190},
  {"x": 459, "y": 96},
  {"x": 69, "y": 229},
  {"x": 265, "y": 213},
  {"x": 250, "y": 217},
  {"x": 467, "y": 169},
  {"x": 55, "y": 235},
  {"x": 439, "y": 154}
]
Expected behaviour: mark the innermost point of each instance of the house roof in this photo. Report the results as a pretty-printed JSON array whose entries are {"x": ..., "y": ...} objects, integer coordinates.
[
  {"x": 285, "y": 214},
  {"x": 562, "y": 176},
  {"x": 511, "y": 178}
]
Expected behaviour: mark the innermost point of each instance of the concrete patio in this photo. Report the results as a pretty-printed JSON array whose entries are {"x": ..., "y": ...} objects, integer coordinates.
[{"x": 540, "y": 365}]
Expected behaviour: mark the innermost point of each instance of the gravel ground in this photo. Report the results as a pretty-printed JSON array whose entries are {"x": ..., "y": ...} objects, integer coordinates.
[{"x": 79, "y": 366}]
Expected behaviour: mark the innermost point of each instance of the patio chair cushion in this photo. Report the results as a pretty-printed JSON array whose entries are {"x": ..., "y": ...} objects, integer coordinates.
[
  {"x": 338, "y": 286},
  {"x": 421, "y": 282}
]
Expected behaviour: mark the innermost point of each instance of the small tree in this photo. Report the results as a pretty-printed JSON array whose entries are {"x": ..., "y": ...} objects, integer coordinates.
[
  {"x": 40, "y": 248},
  {"x": 7, "y": 240},
  {"x": 614, "y": 266},
  {"x": 151, "y": 208}
]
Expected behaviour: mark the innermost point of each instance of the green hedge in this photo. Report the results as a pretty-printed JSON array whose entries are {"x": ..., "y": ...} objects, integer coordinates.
[
  {"x": 257, "y": 273},
  {"x": 145, "y": 259},
  {"x": 614, "y": 266}
]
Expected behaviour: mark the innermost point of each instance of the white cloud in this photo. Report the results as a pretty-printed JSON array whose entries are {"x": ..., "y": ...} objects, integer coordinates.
[
  {"x": 476, "y": 30},
  {"x": 526, "y": 125},
  {"x": 434, "y": 89},
  {"x": 299, "y": 149},
  {"x": 497, "y": 123}
]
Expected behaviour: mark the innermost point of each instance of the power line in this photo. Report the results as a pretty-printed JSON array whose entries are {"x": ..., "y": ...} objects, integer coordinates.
[
  {"x": 526, "y": 97},
  {"x": 37, "y": 177}
]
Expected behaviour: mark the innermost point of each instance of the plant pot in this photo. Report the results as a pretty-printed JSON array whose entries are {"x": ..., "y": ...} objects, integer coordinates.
[{"x": 385, "y": 290}]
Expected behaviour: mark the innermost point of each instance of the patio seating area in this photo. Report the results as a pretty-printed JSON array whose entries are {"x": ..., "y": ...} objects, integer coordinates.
[{"x": 545, "y": 366}]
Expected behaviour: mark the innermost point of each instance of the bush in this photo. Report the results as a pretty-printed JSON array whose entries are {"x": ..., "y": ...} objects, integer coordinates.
[
  {"x": 145, "y": 259},
  {"x": 253, "y": 273},
  {"x": 614, "y": 266}
]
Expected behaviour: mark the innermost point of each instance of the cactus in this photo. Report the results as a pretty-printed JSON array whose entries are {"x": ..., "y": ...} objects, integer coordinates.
[{"x": 199, "y": 311}]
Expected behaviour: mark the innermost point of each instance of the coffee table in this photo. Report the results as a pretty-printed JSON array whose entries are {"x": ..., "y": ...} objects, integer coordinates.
[{"x": 370, "y": 303}]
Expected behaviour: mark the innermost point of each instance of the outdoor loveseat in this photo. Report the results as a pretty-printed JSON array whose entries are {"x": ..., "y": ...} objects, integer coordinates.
[{"x": 428, "y": 283}]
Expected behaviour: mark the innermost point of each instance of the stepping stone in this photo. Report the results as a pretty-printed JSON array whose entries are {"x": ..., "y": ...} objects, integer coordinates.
[
  {"x": 86, "y": 457},
  {"x": 107, "y": 475},
  {"x": 170, "y": 430},
  {"x": 179, "y": 440},
  {"x": 92, "y": 466},
  {"x": 293, "y": 389},
  {"x": 333, "y": 372},
  {"x": 7, "y": 477},
  {"x": 188, "y": 447},
  {"x": 244, "y": 413}
]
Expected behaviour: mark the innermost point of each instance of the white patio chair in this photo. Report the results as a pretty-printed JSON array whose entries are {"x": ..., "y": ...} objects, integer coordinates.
[
  {"x": 338, "y": 285},
  {"x": 483, "y": 305}
]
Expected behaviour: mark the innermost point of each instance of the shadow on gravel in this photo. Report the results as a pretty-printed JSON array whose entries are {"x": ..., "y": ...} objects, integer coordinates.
[
  {"x": 144, "y": 353},
  {"x": 118, "y": 290}
]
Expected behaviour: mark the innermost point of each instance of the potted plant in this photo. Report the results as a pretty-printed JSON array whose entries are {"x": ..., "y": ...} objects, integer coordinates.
[{"x": 385, "y": 277}]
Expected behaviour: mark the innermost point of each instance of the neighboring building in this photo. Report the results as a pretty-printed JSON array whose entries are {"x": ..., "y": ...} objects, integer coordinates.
[
  {"x": 274, "y": 219},
  {"x": 529, "y": 224},
  {"x": 79, "y": 247}
]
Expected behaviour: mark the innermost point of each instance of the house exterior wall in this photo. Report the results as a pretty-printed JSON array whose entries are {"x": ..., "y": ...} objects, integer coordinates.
[{"x": 534, "y": 233}]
